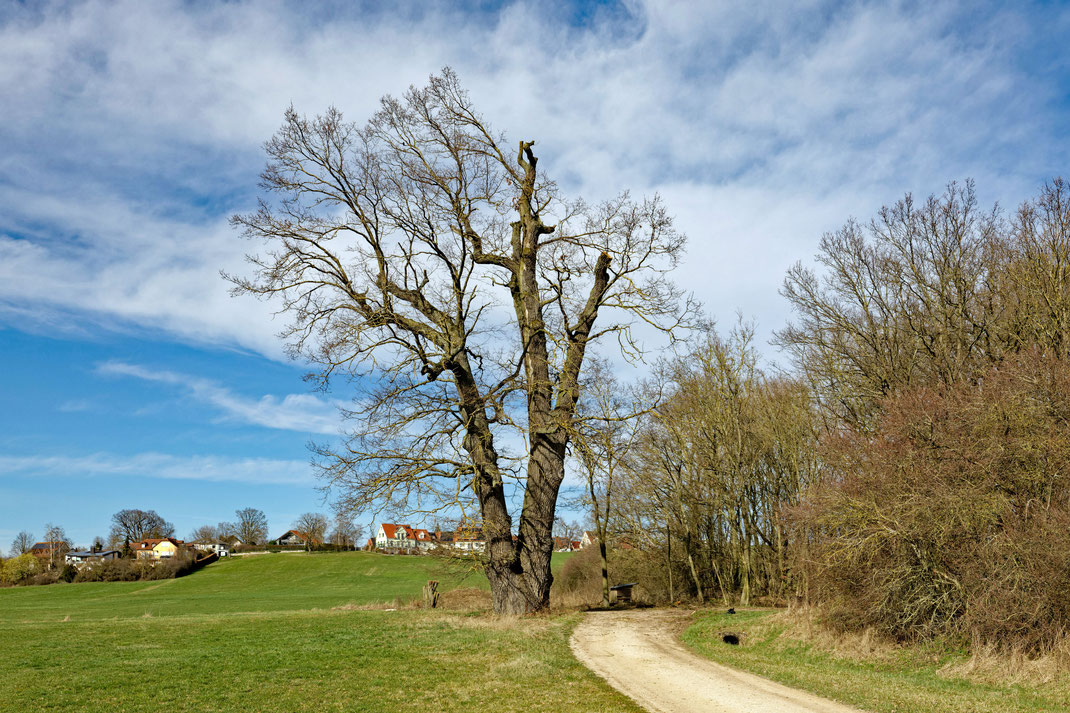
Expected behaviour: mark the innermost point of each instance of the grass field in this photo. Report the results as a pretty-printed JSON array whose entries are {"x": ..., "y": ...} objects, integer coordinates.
[
  {"x": 895, "y": 681},
  {"x": 283, "y": 632}
]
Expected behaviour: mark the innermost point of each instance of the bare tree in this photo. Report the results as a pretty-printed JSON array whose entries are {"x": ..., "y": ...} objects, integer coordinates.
[
  {"x": 204, "y": 532},
  {"x": 22, "y": 543},
  {"x": 251, "y": 526},
  {"x": 58, "y": 543},
  {"x": 418, "y": 250},
  {"x": 345, "y": 532},
  {"x": 313, "y": 525},
  {"x": 609, "y": 418},
  {"x": 570, "y": 531},
  {"x": 135, "y": 525}
]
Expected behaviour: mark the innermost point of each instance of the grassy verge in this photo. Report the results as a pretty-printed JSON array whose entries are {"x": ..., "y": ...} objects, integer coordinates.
[
  {"x": 898, "y": 680},
  {"x": 281, "y": 633}
]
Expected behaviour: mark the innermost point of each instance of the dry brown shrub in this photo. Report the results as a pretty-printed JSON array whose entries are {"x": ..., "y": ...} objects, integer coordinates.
[
  {"x": 953, "y": 519},
  {"x": 579, "y": 583}
]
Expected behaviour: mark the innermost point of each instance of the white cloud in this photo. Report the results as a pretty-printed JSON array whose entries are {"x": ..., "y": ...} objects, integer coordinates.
[
  {"x": 260, "y": 471},
  {"x": 294, "y": 412},
  {"x": 131, "y": 127}
]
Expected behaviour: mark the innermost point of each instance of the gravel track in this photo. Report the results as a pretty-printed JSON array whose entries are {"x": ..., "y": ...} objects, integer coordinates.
[{"x": 639, "y": 653}]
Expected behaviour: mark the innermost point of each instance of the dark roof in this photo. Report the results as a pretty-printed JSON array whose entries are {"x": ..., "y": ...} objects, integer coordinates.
[{"x": 92, "y": 554}]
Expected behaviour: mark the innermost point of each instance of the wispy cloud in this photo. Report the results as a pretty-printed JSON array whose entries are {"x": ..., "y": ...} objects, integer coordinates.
[
  {"x": 73, "y": 406},
  {"x": 762, "y": 126},
  {"x": 262, "y": 471},
  {"x": 293, "y": 412}
]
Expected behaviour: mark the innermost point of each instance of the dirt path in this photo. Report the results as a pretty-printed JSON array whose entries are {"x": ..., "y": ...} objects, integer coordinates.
[{"x": 639, "y": 654}]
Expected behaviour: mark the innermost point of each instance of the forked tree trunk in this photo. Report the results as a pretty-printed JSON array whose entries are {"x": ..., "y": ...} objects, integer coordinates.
[{"x": 519, "y": 572}]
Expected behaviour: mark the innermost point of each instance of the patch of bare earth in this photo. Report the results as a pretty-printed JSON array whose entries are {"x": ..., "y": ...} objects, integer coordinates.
[{"x": 639, "y": 653}]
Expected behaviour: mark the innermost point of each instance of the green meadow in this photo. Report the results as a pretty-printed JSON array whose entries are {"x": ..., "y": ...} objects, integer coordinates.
[{"x": 286, "y": 632}]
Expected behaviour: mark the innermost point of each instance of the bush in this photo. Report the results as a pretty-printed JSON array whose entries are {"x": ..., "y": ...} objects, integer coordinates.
[
  {"x": 50, "y": 576},
  {"x": 580, "y": 579},
  {"x": 953, "y": 518},
  {"x": 18, "y": 569}
]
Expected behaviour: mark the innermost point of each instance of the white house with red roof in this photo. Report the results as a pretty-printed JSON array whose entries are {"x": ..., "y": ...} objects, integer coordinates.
[{"x": 392, "y": 536}]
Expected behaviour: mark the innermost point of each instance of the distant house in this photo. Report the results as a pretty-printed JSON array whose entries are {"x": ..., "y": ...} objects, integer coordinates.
[
  {"x": 563, "y": 544},
  {"x": 85, "y": 557},
  {"x": 231, "y": 541},
  {"x": 469, "y": 539},
  {"x": 157, "y": 548},
  {"x": 391, "y": 536},
  {"x": 589, "y": 538},
  {"x": 48, "y": 550},
  {"x": 296, "y": 537},
  {"x": 220, "y": 548}
]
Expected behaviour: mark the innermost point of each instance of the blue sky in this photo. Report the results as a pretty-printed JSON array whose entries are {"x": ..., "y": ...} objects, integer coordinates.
[{"x": 130, "y": 378}]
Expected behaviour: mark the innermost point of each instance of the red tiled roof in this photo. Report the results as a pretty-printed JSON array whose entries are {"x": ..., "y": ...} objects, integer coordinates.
[
  {"x": 304, "y": 536},
  {"x": 468, "y": 534}
]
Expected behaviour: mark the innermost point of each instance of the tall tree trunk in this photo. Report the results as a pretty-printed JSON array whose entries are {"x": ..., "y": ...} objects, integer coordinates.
[
  {"x": 694, "y": 570},
  {"x": 519, "y": 572},
  {"x": 668, "y": 560}
]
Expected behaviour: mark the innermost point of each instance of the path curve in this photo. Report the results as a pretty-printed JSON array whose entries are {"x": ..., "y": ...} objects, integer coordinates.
[{"x": 638, "y": 653}]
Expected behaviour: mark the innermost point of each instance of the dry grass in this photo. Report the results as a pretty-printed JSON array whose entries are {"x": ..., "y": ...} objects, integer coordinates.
[
  {"x": 803, "y": 624},
  {"x": 986, "y": 664},
  {"x": 465, "y": 599}
]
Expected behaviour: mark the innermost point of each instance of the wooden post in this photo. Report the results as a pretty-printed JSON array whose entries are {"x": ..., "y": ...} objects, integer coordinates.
[{"x": 431, "y": 594}]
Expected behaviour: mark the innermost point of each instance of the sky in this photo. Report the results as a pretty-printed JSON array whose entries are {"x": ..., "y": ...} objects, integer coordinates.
[{"x": 131, "y": 131}]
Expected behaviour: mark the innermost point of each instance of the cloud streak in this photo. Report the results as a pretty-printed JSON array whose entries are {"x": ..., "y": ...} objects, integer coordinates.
[
  {"x": 294, "y": 412},
  {"x": 259, "y": 471},
  {"x": 132, "y": 129}
]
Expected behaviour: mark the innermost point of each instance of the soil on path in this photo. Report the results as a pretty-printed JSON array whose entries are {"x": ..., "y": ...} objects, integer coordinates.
[{"x": 639, "y": 653}]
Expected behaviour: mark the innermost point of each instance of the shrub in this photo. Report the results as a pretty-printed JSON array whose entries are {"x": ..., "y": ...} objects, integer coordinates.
[
  {"x": 953, "y": 518},
  {"x": 18, "y": 569}
]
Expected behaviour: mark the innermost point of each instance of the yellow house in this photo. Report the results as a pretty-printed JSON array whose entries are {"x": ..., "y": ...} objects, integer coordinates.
[{"x": 157, "y": 549}]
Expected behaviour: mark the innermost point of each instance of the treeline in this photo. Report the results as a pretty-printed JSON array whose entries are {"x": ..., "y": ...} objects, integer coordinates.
[{"x": 909, "y": 473}]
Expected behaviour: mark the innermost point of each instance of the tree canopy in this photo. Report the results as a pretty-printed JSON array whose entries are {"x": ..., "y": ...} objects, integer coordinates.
[{"x": 420, "y": 254}]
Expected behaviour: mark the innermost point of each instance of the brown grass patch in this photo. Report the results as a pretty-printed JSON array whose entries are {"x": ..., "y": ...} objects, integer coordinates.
[
  {"x": 986, "y": 664},
  {"x": 465, "y": 599}
]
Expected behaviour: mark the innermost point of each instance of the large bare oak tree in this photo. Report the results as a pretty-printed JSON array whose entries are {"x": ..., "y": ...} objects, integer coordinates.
[{"x": 422, "y": 256}]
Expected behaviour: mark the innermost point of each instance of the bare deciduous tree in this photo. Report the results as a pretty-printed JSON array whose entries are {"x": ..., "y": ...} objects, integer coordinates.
[
  {"x": 204, "y": 533},
  {"x": 58, "y": 542},
  {"x": 345, "y": 532},
  {"x": 251, "y": 526},
  {"x": 22, "y": 543},
  {"x": 420, "y": 254},
  {"x": 313, "y": 526},
  {"x": 134, "y": 525},
  {"x": 607, "y": 423}
]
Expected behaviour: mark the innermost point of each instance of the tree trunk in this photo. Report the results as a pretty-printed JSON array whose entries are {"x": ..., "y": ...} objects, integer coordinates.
[
  {"x": 605, "y": 571},
  {"x": 668, "y": 560},
  {"x": 519, "y": 573}
]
